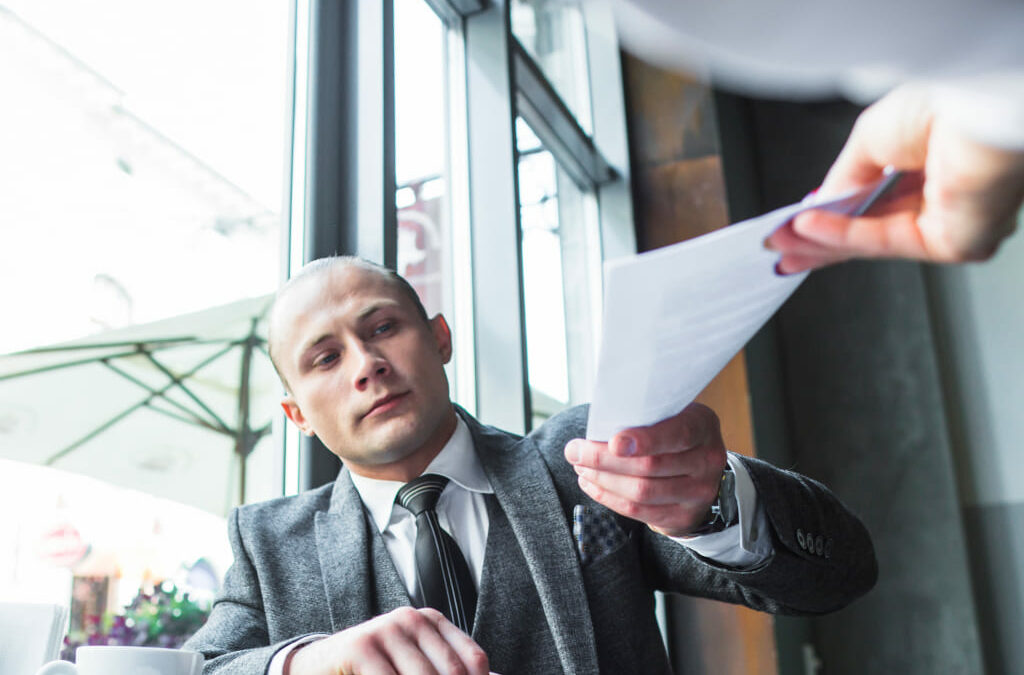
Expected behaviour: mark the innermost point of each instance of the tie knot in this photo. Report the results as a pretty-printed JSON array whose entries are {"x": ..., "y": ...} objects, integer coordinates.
[{"x": 421, "y": 494}]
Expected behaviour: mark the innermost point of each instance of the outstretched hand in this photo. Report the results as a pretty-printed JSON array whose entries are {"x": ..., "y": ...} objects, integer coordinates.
[
  {"x": 961, "y": 211},
  {"x": 666, "y": 475}
]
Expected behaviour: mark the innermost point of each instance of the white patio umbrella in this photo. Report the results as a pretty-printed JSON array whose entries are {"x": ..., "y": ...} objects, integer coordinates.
[{"x": 174, "y": 408}]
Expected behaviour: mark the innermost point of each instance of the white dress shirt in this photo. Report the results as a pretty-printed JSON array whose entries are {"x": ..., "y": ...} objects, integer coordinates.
[
  {"x": 461, "y": 509},
  {"x": 462, "y": 512}
]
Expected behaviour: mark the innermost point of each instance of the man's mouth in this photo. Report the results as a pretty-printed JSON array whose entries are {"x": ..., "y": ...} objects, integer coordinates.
[{"x": 385, "y": 403}]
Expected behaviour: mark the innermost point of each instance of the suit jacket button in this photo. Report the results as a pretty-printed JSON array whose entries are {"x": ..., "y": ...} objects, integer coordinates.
[
  {"x": 800, "y": 539},
  {"x": 819, "y": 545},
  {"x": 828, "y": 548}
]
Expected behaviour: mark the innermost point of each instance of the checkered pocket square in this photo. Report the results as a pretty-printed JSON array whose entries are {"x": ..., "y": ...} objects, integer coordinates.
[{"x": 596, "y": 532}]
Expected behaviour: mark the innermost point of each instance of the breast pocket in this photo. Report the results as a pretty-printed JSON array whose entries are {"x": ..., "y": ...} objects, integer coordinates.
[{"x": 597, "y": 533}]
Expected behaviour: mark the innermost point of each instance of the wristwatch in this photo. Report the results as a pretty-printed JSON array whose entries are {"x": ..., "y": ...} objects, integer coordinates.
[{"x": 724, "y": 511}]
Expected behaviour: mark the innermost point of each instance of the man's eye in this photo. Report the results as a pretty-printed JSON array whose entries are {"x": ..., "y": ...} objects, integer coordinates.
[
  {"x": 325, "y": 359},
  {"x": 383, "y": 328}
]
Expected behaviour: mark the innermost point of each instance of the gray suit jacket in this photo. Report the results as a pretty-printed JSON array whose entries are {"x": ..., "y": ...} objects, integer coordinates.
[{"x": 312, "y": 563}]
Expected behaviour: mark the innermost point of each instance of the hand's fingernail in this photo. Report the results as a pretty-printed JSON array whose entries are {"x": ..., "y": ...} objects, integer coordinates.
[
  {"x": 627, "y": 446},
  {"x": 572, "y": 452}
]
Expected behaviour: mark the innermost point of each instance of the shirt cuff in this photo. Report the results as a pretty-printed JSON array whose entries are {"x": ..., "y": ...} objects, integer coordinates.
[
  {"x": 744, "y": 545},
  {"x": 281, "y": 657}
]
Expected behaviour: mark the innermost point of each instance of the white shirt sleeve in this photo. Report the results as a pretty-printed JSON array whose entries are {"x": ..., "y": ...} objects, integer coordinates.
[
  {"x": 745, "y": 544},
  {"x": 988, "y": 108},
  {"x": 277, "y": 663}
]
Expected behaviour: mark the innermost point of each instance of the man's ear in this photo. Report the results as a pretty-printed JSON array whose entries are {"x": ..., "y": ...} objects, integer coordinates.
[
  {"x": 442, "y": 336},
  {"x": 292, "y": 412}
]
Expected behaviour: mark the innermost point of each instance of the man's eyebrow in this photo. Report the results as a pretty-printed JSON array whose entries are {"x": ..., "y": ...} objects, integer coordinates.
[
  {"x": 362, "y": 315},
  {"x": 369, "y": 310},
  {"x": 313, "y": 343}
]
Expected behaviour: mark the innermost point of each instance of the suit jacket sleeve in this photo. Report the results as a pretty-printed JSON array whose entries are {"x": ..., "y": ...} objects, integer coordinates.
[
  {"x": 834, "y": 565},
  {"x": 235, "y": 637},
  {"x": 794, "y": 580}
]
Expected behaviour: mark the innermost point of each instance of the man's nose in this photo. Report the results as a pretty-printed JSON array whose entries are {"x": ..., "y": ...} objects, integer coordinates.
[{"x": 371, "y": 366}]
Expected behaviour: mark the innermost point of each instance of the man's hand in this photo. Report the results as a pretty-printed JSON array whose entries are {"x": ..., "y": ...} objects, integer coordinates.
[
  {"x": 405, "y": 641},
  {"x": 666, "y": 475},
  {"x": 963, "y": 210}
]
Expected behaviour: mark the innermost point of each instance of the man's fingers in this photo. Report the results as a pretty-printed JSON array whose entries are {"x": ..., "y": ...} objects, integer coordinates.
[
  {"x": 448, "y": 649},
  {"x": 665, "y": 475},
  {"x": 405, "y": 641},
  {"x": 648, "y": 491},
  {"x": 469, "y": 653},
  {"x": 416, "y": 652},
  {"x": 593, "y": 455},
  {"x": 693, "y": 427},
  {"x": 674, "y": 518},
  {"x": 687, "y": 444}
]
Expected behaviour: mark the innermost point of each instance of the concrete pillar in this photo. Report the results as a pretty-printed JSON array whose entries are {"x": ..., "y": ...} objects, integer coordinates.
[{"x": 979, "y": 320}]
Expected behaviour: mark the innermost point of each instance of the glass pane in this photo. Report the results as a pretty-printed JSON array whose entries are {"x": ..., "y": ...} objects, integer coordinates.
[
  {"x": 142, "y": 164},
  {"x": 552, "y": 32},
  {"x": 431, "y": 177},
  {"x": 421, "y": 150},
  {"x": 561, "y": 278}
]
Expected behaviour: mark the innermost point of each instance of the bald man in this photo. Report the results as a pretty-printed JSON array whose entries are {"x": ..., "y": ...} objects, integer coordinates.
[{"x": 563, "y": 541}]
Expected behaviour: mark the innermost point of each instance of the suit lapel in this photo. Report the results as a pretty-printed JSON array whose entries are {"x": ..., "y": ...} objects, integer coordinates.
[
  {"x": 359, "y": 577},
  {"x": 526, "y": 493}
]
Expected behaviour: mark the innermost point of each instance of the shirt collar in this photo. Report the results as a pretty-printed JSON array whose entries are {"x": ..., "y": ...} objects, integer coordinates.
[{"x": 457, "y": 461}]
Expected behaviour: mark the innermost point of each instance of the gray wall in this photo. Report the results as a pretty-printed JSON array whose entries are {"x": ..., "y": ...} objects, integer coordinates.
[
  {"x": 847, "y": 387},
  {"x": 979, "y": 321}
]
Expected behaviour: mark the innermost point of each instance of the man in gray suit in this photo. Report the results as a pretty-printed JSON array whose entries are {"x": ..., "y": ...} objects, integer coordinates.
[{"x": 565, "y": 540}]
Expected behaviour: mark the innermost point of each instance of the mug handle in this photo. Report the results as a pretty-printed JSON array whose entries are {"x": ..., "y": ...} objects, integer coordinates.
[{"x": 58, "y": 668}]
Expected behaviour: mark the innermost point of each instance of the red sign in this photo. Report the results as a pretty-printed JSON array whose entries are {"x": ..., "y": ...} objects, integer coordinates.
[{"x": 62, "y": 546}]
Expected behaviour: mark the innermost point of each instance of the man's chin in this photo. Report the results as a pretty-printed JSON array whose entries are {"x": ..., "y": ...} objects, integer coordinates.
[{"x": 393, "y": 440}]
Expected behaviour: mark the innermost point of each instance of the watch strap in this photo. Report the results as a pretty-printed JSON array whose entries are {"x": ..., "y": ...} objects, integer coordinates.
[{"x": 724, "y": 511}]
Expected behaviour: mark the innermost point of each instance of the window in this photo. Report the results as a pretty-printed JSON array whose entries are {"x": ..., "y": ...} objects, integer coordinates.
[
  {"x": 430, "y": 169},
  {"x": 507, "y": 241},
  {"x": 421, "y": 150},
  {"x": 143, "y": 168},
  {"x": 553, "y": 34},
  {"x": 560, "y": 259}
]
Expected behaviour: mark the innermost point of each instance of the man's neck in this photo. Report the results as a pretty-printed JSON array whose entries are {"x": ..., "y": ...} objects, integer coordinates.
[{"x": 414, "y": 464}]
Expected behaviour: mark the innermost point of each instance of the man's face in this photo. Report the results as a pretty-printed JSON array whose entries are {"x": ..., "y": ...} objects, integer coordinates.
[{"x": 366, "y": 372}]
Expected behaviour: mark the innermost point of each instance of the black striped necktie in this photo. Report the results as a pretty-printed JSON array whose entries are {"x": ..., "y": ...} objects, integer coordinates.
[{"x": 444, "y": 577}]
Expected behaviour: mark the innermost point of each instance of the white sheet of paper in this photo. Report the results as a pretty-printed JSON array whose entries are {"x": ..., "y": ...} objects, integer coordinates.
[{"x": 675, "y": 316}]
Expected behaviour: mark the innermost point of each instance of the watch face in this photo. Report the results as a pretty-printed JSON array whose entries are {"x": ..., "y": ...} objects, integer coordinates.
[
  {"x": 724, "y": 511},
  {"x": 727, "y": 497}
]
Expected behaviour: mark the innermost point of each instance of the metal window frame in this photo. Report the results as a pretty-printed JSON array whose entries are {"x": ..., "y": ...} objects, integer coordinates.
[
  {"x": 350, "y": 169},
  {"x": 502, "y": 393},
  {"x": 350, "y": 153},
  {"x": 539, "y": 104}
]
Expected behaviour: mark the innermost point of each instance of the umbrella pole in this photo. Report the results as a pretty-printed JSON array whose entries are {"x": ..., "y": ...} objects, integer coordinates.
[{"x": 244, "y": 441}]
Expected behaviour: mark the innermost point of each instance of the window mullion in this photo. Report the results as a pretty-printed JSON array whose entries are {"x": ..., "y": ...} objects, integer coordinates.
[{"x": 502, "y": 393}]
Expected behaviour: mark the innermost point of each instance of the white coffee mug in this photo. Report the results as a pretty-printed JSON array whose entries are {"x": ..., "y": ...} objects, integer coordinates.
[{"x": 98, "y": 660}]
